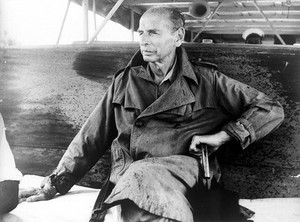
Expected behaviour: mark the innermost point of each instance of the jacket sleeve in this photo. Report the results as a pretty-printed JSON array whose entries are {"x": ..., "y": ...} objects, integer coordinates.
[
  {"x": 254, "y": 114},
  {"x": 95, "y": 136}
]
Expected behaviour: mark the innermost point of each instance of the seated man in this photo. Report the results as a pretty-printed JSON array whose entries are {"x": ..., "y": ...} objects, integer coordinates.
[
  {"x": 159, "y": 109},
  {"x": 9, "y": 175}
]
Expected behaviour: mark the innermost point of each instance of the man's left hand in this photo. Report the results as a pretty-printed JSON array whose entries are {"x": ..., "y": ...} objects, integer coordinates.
[{"x": 214, "y": 141}]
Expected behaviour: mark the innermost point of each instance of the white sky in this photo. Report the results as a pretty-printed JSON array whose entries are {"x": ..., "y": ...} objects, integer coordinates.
[{"x": 37, "y": 22}]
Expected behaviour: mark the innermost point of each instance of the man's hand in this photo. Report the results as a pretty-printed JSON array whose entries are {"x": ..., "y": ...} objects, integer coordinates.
[
  {"x": 46, "y": 192},
  {"x": 213, "y": 141}
]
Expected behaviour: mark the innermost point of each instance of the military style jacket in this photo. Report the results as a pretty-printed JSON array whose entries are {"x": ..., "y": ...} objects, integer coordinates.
[{"x": 135, "y": 122}]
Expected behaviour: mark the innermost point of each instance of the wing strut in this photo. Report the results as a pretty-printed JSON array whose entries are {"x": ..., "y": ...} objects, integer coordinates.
[
  {"x": 266, "y": 18},
  {"x": 63, "y": 22},
  {"x": 207, "y": 21},
  {"x": 107, "y": 18}
]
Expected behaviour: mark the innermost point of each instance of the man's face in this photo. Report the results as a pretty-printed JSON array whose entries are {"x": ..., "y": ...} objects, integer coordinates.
[{"x": 158, "y": 40}]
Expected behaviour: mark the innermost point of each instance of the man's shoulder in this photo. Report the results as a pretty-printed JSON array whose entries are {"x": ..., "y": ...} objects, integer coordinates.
[
  {"x": 120, "y": 76},
  {"x": 204, "y": 69},
  {"x": 119, "y": 73},
  {"x": 204, "y": 64},
  {"x": 127, "y": 74}
]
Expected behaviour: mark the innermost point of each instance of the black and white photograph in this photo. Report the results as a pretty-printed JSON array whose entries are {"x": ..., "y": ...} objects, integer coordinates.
[{"x": 149, "y": 110}]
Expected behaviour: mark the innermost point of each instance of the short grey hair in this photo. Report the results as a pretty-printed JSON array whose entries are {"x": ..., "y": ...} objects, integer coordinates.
[{"x": 176, "y": 18}]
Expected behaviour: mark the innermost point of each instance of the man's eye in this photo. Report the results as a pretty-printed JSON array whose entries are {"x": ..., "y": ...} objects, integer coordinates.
[
  {"x": 140, "y": 33},
  {"x": 153, "y": 33}
]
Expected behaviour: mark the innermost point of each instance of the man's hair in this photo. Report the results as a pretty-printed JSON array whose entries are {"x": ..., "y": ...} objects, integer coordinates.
[{"x": 176, "y": 18}]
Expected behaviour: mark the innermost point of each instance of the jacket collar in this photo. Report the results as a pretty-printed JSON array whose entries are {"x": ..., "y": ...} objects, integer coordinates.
[
  {"x": 184, "y": 66},
  {"x": 172, "y": 101}
]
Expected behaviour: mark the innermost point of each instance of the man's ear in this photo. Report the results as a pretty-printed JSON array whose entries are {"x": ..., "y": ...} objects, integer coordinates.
[{"x": 180, "y": 36}]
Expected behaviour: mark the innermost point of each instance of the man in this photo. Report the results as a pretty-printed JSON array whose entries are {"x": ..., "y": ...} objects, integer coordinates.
[{"x": 157, "y": 111}]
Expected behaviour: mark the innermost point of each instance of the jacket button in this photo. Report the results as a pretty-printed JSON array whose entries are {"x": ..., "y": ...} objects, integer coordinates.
[{"x": 139, "y": 123}]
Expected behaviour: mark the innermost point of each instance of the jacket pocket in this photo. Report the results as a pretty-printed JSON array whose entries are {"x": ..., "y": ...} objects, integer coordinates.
[
  {"x": 118, "y": 159},
  {"x": 120, "y": 162}
]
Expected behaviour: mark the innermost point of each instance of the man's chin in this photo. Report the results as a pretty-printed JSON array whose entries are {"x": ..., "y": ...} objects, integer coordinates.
[{"x": 149, "y": 58}]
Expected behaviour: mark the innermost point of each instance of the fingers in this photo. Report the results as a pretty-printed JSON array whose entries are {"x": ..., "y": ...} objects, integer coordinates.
[
  {"x": 194, "y": 148},
  {"x": 196, "y": 141},
  {"x": 24, "y": 193},
  {"x": 37, "y": 197},
  {"x": 33, "y": 194}
]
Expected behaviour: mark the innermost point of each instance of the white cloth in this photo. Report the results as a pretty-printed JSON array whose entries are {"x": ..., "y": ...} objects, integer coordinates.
[
  {"x": 274, "y": 209},
  {"x": 8, "y": 170},
  {"x": 76, "y": 206}
]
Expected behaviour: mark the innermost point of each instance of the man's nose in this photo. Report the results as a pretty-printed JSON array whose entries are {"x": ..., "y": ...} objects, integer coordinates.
[{"x": 144, "y": 39}]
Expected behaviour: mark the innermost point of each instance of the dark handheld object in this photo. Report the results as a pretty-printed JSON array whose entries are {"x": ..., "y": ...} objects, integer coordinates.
[
  {"x": 205, "y": 162},
  {"x": 205, "y": 165},
  {"x": 202, "y": 155}
]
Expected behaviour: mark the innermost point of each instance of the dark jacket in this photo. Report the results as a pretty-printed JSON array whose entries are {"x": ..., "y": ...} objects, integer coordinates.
[{"x": 135, "y": 124}]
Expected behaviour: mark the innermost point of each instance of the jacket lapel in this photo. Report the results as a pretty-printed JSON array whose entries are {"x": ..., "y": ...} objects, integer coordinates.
[
  {"x": 179, "y": 94},
  {"x": 130, "y": 91},
  {"x": 134, "y": 96}
]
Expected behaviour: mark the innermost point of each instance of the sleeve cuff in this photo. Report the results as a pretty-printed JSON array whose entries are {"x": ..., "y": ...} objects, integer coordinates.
[
  {"x": 242, "y": 131},
  {"x": 62, "y": 183}
]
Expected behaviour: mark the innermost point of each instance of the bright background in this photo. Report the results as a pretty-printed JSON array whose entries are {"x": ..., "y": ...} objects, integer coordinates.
[{"x": 37, "y": 22}]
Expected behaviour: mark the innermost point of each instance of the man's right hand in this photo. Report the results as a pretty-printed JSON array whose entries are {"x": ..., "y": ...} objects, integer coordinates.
[{"x": 46, "y": 192}]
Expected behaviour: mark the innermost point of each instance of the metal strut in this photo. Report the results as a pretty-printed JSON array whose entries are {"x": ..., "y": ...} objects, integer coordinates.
[
  {"x": 63, "y": 22},
  {"x": 266, "y": 18},
  {"x": 207, "y": 21},
  {"x": 107, "y": 18}
]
